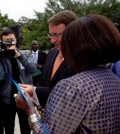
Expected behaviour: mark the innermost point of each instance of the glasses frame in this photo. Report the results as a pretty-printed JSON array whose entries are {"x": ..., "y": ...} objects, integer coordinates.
[{"x": 54, "y": 35}]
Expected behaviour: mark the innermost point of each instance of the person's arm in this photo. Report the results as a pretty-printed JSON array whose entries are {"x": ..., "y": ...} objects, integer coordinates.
[
  {"x": 115, "y": 67},
  {"x": 26, "y": 60},
  {"x": 29, "y": 108},
  {"x": 65, "y": 104},
  {"x": 41, "y": 60},
  {"x": 42, "y": 92},
  {"x": 2, "y": 72},
  {"x": 30, "y": 89}
]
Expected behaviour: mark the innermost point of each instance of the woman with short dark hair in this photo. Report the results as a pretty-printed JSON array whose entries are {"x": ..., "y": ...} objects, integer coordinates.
[{"x": 90, "y": 41}]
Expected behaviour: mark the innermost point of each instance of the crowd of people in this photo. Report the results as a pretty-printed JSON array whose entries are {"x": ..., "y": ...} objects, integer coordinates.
[{"x": 78, "y": 92}]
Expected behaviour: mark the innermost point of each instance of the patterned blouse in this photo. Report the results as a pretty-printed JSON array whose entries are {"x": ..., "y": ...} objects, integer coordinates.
[{"x": 90, "y": 100}]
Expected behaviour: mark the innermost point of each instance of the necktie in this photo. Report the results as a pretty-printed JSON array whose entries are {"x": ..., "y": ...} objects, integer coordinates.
[
  {"x": 57, "y": 63},
  {"x": 35, "y": 57}
]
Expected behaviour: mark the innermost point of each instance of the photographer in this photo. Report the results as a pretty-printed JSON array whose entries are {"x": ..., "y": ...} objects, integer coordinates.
[{"x": 19, "y": 65}]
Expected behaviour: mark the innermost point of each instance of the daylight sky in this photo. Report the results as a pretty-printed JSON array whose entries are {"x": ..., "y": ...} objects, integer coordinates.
[{"x": 18, "y": 8}]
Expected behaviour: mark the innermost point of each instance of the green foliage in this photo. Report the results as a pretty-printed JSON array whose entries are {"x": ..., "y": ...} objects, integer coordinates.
[
  {"x": 5, "y": 22},
  {"x": 37, "y": 29}
]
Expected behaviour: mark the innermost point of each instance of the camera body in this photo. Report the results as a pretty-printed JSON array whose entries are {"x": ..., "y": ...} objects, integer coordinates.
[
  {"x": 6, "y": 43},
  {"x": 6, "y": 53}
]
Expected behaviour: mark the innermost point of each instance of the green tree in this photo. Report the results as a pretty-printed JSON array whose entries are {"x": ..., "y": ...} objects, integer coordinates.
[
  {"x": 5, "y": 22},
  {"x": 38, "y": 28}
]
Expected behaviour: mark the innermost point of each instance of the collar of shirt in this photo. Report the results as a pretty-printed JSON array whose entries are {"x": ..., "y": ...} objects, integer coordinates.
[{"x": 34, "y": 52}]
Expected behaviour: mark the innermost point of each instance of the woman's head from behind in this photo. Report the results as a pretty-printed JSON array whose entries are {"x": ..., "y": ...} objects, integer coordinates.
[{"x": 90, "y": 41}]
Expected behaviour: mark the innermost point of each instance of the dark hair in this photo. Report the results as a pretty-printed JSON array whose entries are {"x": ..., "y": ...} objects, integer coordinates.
[
  {"x": 6, "y": 32},
  {"x": 63, "y": 17},
  {"x": 15, "y": 29},
  {"x": 90, "y": 41},
  {"x": 35, "y": 42}
]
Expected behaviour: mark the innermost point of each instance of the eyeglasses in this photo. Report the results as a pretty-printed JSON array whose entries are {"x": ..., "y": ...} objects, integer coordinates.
[{"x": 54, "y": 35}]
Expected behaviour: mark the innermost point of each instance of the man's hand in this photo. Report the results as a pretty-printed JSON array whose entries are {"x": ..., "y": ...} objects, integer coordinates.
[
  {"x": 39, "y": 66},
  {"x": 13, "y": 47},
  {"x": 27, "y": 88}
]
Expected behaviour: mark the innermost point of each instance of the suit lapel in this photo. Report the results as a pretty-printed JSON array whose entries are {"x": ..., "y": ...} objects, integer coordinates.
[
  {"x": 39, "y": 56},
  {"x": 61, "y": 67},
  {"x": 49, "y": 65}
]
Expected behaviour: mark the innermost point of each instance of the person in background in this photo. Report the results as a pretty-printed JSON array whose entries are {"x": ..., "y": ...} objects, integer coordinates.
[
  {"x": 39, "y": 58},
  {"x": 89, "y": 99},
  {"x": 115, "y": 67},
  {"x": 19, "y": 65}
]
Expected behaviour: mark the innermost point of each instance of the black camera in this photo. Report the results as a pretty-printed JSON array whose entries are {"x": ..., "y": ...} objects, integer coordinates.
[
  {"x": 6, "y": 53},
  {"x": 6, "y": 43}
]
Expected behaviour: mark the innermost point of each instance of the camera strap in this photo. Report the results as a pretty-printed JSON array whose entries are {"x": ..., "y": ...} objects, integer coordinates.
[{"x": 46, "y": 131}]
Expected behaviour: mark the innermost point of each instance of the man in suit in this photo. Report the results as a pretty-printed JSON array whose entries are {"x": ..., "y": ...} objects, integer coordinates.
[
  {"x": 57, "y": 24},
  {"x": 50, "y": 78},
  {"x": 39, "y": 59}
]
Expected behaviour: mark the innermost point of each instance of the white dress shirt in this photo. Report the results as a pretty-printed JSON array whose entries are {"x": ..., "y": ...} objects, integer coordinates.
[{"x": 35, "y": 56}]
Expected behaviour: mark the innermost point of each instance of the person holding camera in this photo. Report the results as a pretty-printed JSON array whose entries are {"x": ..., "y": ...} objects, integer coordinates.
[{"x": 19, "y": 65}]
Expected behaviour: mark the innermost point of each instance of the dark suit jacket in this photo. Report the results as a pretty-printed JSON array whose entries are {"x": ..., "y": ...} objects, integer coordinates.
[
  {"x": 45, "y": 86},
  {"x": 41, "y": 57},
  {"x": 41, "y": 60}
]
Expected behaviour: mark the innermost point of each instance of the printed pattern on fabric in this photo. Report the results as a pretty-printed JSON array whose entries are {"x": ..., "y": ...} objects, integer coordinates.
[{"x": 90, "y": 98}]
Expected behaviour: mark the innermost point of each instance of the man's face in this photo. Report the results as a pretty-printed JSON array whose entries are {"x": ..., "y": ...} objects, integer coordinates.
[
  {"x": 55, "y": 34},
  {"x": 34, "y": 47},
  {"x": 9, "y": 38}
]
